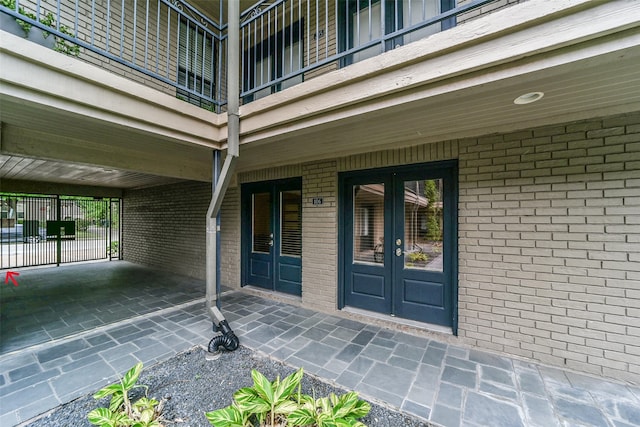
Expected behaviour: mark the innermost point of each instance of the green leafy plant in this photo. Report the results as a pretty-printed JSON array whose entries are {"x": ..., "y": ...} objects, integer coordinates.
[
  {"x": 121, "y": 412},
  {"x": 418, "y": 256},
  {"x": 113, "y": 248},
  {"x": 280, "y": 403},
  {"x": 61, "y": 44},
  {"x": 331, "y": 411},
  {"x": 11, "y": 4},
  {"x": 48, "y": 19}
]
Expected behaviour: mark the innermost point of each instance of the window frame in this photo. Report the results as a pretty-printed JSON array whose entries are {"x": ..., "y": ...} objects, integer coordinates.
[
  {"x": 266, "y": 50},
  {"x": 193, "y": 83},
  {"x": 348, "y": 11}
]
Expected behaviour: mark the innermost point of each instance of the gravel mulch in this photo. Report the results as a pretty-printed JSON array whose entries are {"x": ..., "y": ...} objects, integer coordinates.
[{"x": 194, "y": 385}]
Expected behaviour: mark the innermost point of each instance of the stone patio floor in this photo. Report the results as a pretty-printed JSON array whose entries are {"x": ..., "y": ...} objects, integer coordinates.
[{"x": 444, "y": 384}]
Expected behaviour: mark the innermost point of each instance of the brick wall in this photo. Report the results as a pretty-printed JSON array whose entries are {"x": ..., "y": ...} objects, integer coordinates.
[
  {"x": 549, "y": 239},
  {"x": 164, "y": 227},
  {"x": 549, "y": 243},
  {"x": 151, "y": 46},
  {"x": 230, "y": 238},
  {"x": 319, "y": 235}
]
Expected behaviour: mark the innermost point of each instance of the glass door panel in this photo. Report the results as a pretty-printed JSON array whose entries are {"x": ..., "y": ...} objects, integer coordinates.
[
  {"x": 423, "y": 224},
  {"x": 288, "y": 266},
  {"x": 398, "y": 236},
  {"x": 368, "y": 216},
  {"x": 291, "y": 223},
  {"x": 272, "y": 235},
  {"x": 261, "y": 236},
  {"x": 367, "y": 222}
]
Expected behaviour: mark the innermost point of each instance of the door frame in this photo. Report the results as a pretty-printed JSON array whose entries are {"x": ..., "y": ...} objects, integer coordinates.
[
  {"x": 448, "y": 168},
  {"x": 274, "y": 187}
]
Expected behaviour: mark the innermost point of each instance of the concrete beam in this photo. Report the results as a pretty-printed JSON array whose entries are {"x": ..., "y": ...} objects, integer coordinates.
[
  {"x": 41, "y": 76},
  {"x": 52, "y": 188}
]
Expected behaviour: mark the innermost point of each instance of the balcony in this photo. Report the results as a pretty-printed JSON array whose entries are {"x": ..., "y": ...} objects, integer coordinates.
[{"x": 180, "y": 49}]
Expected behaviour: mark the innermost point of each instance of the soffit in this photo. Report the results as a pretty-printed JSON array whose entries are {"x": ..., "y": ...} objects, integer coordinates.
[
  {"x": 211, "y": 8},
  {"x": 582, "y": 91},
  {"x": 51, "y": 171}
]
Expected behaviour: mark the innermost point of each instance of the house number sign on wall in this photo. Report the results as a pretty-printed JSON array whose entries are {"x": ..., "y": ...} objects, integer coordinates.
[{"x": 316, "y": 201}]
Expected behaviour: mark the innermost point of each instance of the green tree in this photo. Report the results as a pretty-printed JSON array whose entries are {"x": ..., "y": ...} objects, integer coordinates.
[{"x": 432, "y": 193}]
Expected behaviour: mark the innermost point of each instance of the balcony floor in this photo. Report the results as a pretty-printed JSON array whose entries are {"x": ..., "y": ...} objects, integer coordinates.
[{"x": 443, "y": 383}]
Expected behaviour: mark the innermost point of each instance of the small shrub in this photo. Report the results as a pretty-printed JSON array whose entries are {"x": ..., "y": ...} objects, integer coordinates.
[
  {"x": 121, "y": 412},
  {"x": 281, "y": 404},
  {"x": 113, "y": 248},
  {"x": 418, "y": 256},
  {"x": 11, "y": 4},
  {"x": 61, "y": 45}
]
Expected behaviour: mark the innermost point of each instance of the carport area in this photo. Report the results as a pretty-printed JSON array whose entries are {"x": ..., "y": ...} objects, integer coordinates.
[{"x": 57, "y": 302}]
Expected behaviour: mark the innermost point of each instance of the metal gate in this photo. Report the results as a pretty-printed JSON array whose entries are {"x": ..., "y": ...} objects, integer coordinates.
[{"x": 42, "y": 230}]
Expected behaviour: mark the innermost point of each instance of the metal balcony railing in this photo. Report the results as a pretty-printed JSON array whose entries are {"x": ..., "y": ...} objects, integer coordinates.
[
  {"x": 287, "y": 41},
  {"x": 167, "y": 40},
  {"x": 283, "y": 42}
]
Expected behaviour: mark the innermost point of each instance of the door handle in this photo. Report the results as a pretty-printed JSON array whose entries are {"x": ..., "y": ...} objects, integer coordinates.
[
  {"x": 271, "y": 242},
  {"x": 398, "y": 252}
]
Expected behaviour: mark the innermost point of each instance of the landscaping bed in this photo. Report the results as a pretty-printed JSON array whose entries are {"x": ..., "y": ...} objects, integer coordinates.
[{"x": 193, "y": 385}]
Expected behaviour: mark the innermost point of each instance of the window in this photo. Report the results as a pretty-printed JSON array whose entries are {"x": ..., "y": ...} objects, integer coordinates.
[
  {"x": 291, "y": 223},
  {"x": 196, "y": 64},
  {"x": 364, "y": 22},
  {"x": 273, "y": 58}
]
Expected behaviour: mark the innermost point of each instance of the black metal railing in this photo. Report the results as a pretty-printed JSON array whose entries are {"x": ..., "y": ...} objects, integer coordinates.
[
  {"x": 45, "y": 230},
  {"x": 283, "y": 42},
  {"x": 170, "y": 41}
]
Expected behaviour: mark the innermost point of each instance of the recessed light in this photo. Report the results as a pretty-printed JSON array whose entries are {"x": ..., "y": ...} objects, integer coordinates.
[{"x": 528, "y": 98}]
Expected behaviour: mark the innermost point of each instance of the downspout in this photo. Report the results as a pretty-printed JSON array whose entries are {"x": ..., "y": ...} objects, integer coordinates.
[{"x": 228, "y": 339}]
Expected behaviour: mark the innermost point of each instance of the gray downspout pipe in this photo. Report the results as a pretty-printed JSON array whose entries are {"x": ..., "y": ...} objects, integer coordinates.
[{"x": 228, "y": 339}]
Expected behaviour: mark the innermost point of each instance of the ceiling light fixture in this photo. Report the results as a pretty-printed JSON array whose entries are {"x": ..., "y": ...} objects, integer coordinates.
[{"x": 528, "y": 98}]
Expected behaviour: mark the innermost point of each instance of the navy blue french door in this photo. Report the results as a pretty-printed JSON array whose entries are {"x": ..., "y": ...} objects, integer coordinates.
[
  {"x": 272, "y": 235},
  {"x": 398, "y": 233}
]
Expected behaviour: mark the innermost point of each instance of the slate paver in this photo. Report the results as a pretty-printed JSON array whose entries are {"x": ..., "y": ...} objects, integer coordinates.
[
  {"x": 446, "y": 416},
  {"x": 363, "y": 338},
  {"x": 442, "y": 383},
  {"x": 531, "y": 382},
  {"x": 485, "y": 411},
  {"x": 21, "y": 398},
  {"x": 316, "y": 353},
  {"x": 580, "y": 413},
  {"x": 360, "y": 365},
  {"x": 459, "y": 376},
  {"x": 24, "y": 372},
  {"x": 61, "y": 350},
  {"x": 498, "y": 390},
  {"x": 539, "y": 411},
  {"x": 629, "y": 412},
  {"x": 376, "y": 352},
  {"x": 349, "y": 379},
  {"x": 484, "y": 358},
  {"x": 489, "y": 373},
  {"x": 385, "y": 377},
  {"x": 433, "y": 356},
  {"x": 350, "y": 352},
  {"x": 450, "y": 395},
  {"x": 416, "y": 409},
  {"x": 410, "y": 352}
]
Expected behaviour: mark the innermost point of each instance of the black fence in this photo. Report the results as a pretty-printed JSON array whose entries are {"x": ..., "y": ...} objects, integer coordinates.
[{"x": 44, "y": 230}]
